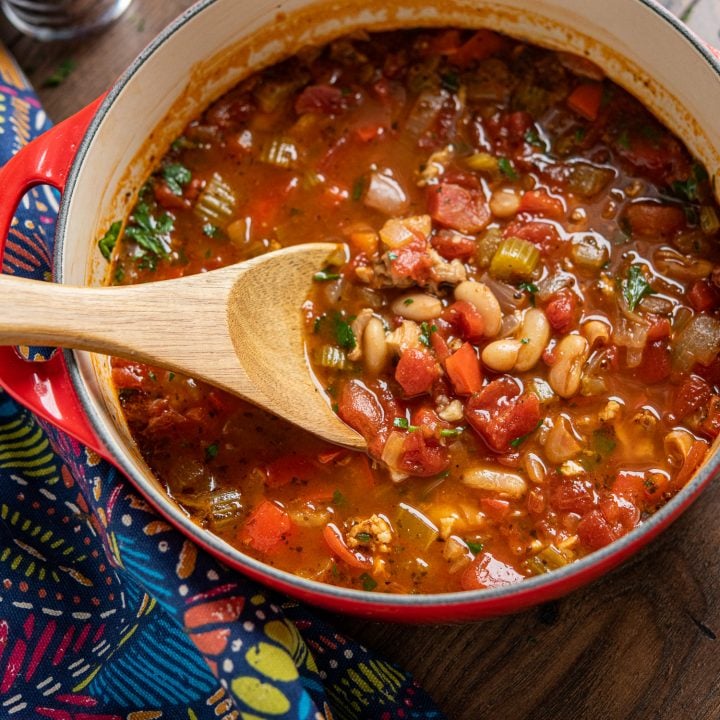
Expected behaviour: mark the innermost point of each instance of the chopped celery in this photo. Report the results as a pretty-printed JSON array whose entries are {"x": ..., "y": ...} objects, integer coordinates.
[
  {"x": 333, "y": 357},
  {"x": 482, "y": 162},
  {"x": 413, "y": 525},
  {"x": 281, "y": 152},
  {"x": 588, "y": 180},
  {"x": 487, "y": 246},
  {"x": 515, "y": 259},
  {"x": 589, "y": 251},
  {"x": 225, "y": 508},
  {"x": 709, "y": 222},
  {"x": 216, "y": 203}
]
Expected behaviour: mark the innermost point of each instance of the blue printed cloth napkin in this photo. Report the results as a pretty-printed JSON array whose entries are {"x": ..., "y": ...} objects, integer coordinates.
[{"x": 107, "y": 612}]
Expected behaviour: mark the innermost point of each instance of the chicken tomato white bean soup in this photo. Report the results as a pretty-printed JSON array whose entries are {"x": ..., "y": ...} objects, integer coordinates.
[{"x": 522, "y": 318}]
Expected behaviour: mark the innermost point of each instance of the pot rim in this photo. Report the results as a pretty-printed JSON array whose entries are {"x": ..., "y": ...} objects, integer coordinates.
[{"x": 547, "y": 585}]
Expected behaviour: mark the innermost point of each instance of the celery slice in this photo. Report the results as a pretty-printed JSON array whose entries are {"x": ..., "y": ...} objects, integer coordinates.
[
  {"x": 515, "y": 259},
  {"x": 216, "y": 203},
  {"x": 333, "y": 357},
  {"x": 413, "y": 525},
  {"x": 280, "y": 152}
]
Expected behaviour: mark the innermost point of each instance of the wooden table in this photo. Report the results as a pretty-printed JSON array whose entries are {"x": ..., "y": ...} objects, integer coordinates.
[{"x": 641, "y": 643}]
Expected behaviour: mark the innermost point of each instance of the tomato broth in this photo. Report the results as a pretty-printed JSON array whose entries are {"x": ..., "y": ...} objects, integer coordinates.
[{"x": 522, "y": 317}]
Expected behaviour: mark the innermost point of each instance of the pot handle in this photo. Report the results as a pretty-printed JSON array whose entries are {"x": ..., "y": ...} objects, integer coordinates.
[{"x": 44, "y": 387}]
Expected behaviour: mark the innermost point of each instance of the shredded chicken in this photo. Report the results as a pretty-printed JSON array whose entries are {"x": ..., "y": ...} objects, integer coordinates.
[
  {"x": 374, "y": 534},
  {"x": 451, "y": 411},
  {"x": 610, "y": 412},
  {"x": 435, "y": 166},
  {"x": 444, "y": 272},
  {"x": 406, "y": 337}
]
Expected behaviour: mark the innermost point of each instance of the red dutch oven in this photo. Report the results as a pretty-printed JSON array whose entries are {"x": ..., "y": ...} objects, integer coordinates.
[{"x": 100, "y": 157}]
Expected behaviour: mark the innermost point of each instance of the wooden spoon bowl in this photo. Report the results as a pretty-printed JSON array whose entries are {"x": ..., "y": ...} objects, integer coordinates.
[{"x": 239, "y": 328}]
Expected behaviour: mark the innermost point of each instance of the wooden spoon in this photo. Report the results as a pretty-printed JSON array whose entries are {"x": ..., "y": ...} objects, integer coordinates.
[{"x": 239, "y": 328}]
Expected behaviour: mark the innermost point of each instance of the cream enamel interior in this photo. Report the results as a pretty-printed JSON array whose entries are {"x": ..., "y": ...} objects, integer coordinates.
[{"x": 222, "y": 43}]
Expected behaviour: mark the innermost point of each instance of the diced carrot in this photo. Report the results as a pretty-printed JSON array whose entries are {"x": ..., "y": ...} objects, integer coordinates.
[
  {"x": 335, "y": 541},
  {"x": 416, "y": 372},
  {"x": 585, "y": 100},
  {"x": 439, "y": 346},
  {"x": 540, "y": 202},
  {"x": 287, "y": 468},
  {"x": 463, "y": 368},
  {"x": 266, "y": 528},
  {"x": 480, "y": 46}
]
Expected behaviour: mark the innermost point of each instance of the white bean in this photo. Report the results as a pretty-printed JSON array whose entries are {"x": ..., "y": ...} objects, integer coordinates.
[
  {"x": 375, "y": 347},
  {"x": 597, "y": 332},
  {"x": 534, "y": 335},
  {"x": 419, "y": 307},
  {"x": 480, "y": 295},
  {"x": 500, "y": 481},
  {"x": 501, "y": 355},
  {"x": 504, "y": 203},
  {"x": 570, "y": 356}
]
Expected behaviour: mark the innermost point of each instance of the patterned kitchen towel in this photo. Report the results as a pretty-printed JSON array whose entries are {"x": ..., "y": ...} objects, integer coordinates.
[{"x": 107, "y": 612}]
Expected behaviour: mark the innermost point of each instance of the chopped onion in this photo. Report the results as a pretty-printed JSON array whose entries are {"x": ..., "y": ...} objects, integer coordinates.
[
  {"x": 555, "y": 281},
  {"x": 632, "y": 336},
  {"x": 386, "y": 194},
  {"x": 425, "y": 111},
  {"x": 499, "y": 481},
  {"x": 697, "y": 342}
]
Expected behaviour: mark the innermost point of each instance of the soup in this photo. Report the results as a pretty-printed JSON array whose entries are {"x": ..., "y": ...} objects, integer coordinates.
[{"x": 521, "y": 318}]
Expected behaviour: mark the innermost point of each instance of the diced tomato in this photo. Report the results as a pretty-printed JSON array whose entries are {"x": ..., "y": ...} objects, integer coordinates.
[
  {"x": 411, "y": 261},
  {"x": 703, "y": 296},
  {"x": 500, "y": 414},
  {"x": 486, "y": 571},
  {"x": 693, "y": 394},
  {"x": 466, "y": 319},
  {"x": 572, "y": 495},
  {"x": 561, "y": 311},
  {"x": 541, "y": 234},
  {"x": 508, "y": 129},
  {"x": 266, "y": 528},
  {"x": 422, "y": 456},
  {"x": 655, "y": 365},
  {"x": 368, "y": 410},
  {"x": 710, "y": 426},
  {"x": 452, "y": 245},
  {"x": 167, "y": 199},
  {"x": 429, "y": 422},
  {"x": 655, "y": 220},
  {"x": 129, "y": 376},
  {"x": 620, "y": 511},
  {"x": 335, "y": 541},
  {"x": 416, "y": 372},
  {"x": 656, "y": 486},
  {"x": 457, "y": 207},
  {"x": 660, "y": 158},
  {"x": 594, "y": 530},
  {"x": 463, "y": 368},
  {"x": 231, "y": 109},
  {"x": 495, "y": 508},
  {"x": 585, "y": 100},
  {"x": 630, "y": 485},
  {"x": 320, "y": 99},
  {"x": 446, "y": 42},
  {"x": 480, "y": 46},
  {"x": 540, "y": 202},
  {"x": 536, "y": 501},
  {"x": 289, "y": 468}
]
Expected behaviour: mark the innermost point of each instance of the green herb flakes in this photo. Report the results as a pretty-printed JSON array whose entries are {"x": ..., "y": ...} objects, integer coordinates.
[
  {"x": 452, "y": 432},
  {"x": 507, "y": 169},
  {"x": 325, "y": 276},
  {"x": 338, "y": 499},
  {"x": 368, "y": 584},
  {"x": 176, "y": 176},
  {"x": 108, "y": 240},
  {"x": 210, "y": 230},
  {"x": 450, "y": 82},
  {"x": 425, "y": 332},
  {"x": 358, "y": 188},
  {"x": 343, "y": 333},
  {"x": 211, "y": 451},
  {"x": 518, "y": 441},
  {"x": 475, "y": 547},
  {"x": 635, "y": 287}
]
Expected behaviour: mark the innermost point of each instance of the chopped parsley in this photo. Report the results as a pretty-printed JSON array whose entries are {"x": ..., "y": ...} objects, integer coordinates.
[
  {"x": 530, "y": 289},
  {"x": 689, "y": 189},
  {"x": 368, "y": 583},
  {"x": 211, "y": 451},
  {"x": 343, "y": 333},
  {"x": 623, "y": 140},
  {"x": 475, "y": 547},
  {"x": 325, "y": 276},
  {"x": 176, "y": 176},
  {"x": 635, "y": 287},
  {"x": 119, "y": 273},
  {"x": 358, "y": 188},
  {"x": 338, "y": 498},
  {"x": 150, "y": 232},
  {"x": 210, "y": 230},
  {"x": 507, "y": 169},
  {"x": 532, "y": 137},
  {"x": 108, "y": 240},
  {"x": 408, "y": 301},
  {"x": 425, "y": 332},
  {"x": 363, "y": 537},
  {"x": 452, "y": 432},
  {"x": 403, "y": 424}
]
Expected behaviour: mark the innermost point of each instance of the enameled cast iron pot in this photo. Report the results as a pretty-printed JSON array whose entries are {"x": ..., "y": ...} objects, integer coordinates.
[{"x": 99, "y": 158}]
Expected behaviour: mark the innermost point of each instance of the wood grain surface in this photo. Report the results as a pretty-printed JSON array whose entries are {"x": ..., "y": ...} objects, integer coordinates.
[{"x": 639, "y": 644}]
